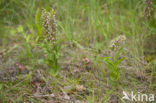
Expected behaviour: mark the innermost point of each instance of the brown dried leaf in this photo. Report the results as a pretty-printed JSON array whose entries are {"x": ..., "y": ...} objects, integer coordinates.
[
  {"x": 86, "y": 60},
  {"x": 66, "y": 97},
  {"x": 21, "y": 67},
  {"x": 80, "y": 88}
]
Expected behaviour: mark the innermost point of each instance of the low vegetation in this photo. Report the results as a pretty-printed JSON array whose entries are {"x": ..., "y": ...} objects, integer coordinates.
[{"x": 76, "y": 51}]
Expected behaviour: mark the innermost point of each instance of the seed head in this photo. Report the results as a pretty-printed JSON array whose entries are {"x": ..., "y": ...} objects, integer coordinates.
[
  {"x": 148, "y": 9},
  {"x": 49, "y": 24},
  {"x": 115, "y": 43}
]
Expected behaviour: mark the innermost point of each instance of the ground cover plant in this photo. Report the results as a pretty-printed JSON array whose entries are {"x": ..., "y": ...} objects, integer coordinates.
[{"x": 77, "y": 51}]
